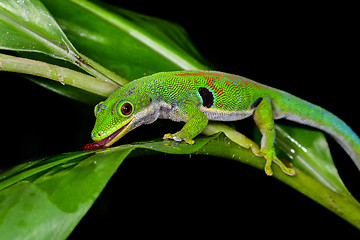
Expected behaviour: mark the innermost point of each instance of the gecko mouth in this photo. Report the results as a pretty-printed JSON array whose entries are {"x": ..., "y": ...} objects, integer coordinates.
[{"x": 108, "y": 140}]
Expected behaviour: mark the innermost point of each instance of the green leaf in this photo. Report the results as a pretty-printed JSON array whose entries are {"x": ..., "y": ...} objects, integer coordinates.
[
  {"x": 341, "y": 203},
  {"x": 130, "y": 44},
  {"x": 28, "y": 26},
  {"x": 56, "y": 190},
  {"x": 308, "y": 150},
  {"x": 45, "y": 199}
]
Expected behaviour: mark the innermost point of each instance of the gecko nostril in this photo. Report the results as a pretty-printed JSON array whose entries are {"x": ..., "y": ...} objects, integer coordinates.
[{"x": 95, "y": 135}]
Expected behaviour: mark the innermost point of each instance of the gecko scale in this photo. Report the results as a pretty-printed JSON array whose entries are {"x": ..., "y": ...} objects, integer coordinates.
[{"x": 195, "y": 97}]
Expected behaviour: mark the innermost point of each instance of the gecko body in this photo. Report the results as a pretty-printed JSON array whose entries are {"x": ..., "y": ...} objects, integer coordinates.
[{"x": 194, "y": 97}]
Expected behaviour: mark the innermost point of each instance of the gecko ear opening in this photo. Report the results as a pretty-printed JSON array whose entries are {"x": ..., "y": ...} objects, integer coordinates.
[{"x": 98, "y": 108}]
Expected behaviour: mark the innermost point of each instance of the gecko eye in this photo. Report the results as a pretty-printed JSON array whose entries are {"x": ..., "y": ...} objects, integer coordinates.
[{"x": 125, "y": 109}]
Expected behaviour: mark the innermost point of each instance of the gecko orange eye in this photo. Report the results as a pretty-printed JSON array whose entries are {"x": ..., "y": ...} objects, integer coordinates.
[{"x": 125, "y": 109}]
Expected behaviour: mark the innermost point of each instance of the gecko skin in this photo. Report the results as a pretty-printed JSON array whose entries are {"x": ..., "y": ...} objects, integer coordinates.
[{"x": 195, "y": 97}]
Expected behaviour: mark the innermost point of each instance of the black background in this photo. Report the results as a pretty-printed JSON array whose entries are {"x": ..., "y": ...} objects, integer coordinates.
[{"x": 305, "y": 49}]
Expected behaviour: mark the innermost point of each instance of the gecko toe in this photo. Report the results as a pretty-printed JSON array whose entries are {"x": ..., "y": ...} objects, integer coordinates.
[
  {"x": 270, "y": 157},
  {"x": 175, "y": 137}
]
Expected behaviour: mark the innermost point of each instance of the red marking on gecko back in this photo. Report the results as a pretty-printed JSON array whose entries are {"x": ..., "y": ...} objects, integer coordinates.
[
  {"x": 199, "y": 73},
  {"x": 210, "y": 83},
  {"x": 249, "y": 84}
]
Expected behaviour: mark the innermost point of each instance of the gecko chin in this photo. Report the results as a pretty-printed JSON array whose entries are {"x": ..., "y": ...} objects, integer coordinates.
[{"x": 109, "y": 140}]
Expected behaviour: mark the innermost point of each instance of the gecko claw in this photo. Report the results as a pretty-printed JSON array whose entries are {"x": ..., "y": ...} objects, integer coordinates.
[{"x": 176, "y": 137}]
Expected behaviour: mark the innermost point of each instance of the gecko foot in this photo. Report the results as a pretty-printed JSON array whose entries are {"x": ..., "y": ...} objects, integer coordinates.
[
  {"x": 270, "y": 156},
  {"x": 177, "y": 138}
]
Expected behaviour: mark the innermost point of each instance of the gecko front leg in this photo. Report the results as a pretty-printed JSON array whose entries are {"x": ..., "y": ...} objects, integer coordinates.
[
  {"x": 196, "y": 122},
  {"x": 264, "y": 119}
]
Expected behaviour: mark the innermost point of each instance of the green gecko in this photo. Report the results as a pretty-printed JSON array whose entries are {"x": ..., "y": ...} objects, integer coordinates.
[{"x": 194, "y": 97}]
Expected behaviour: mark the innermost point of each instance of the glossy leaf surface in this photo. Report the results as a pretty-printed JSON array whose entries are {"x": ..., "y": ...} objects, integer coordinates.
[
  {"x": 45, "y": 199},
  {"x": 309, "y": 151},
  {"x": 28, "y": 26},
  {"x": 55, "y": 191},
  {"x": 130, "y": 44}
]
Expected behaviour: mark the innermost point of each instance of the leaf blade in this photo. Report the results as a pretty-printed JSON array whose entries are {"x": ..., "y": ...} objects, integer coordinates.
[
  {"x": 308, "y": 150},
  {"x": 28, "y": 26},
  {"x": 110, "y": 41},
  {"x": 134, "y": 28},
  {"x": 56, "y": 189},
  {"x": 50, "y": 203},
  {"x": 60, "y": 193}
]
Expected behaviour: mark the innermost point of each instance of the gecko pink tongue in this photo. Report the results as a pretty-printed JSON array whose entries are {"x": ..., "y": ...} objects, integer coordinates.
[
  {"x": 102, "y": 143},
  {"x": 93, "y": 146}
]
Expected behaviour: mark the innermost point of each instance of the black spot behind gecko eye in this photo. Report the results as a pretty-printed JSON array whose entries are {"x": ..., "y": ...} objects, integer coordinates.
[
  {"x": 256, "y": 103},
  {"x": 207, "y": 97}
]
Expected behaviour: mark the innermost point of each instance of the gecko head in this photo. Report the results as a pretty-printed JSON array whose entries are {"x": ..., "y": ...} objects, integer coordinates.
[{"x": 123, "y": 111}]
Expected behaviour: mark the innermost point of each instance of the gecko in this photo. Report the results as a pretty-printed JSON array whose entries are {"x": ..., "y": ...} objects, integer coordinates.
[{"x": 195, "y": 97}]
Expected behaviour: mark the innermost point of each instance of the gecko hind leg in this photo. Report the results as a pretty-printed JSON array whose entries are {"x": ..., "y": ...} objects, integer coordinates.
[{"x": 264, "y": 119}]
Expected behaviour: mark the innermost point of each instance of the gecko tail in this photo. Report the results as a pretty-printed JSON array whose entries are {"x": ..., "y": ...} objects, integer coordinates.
[{"x": 309, "y": 114}]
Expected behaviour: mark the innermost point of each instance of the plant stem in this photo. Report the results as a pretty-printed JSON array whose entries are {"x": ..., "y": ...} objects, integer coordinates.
[
  {"x": 95, "y": 68},
  {"x": 231, "y": 133},
  {"x": 56, "y": 73}
]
